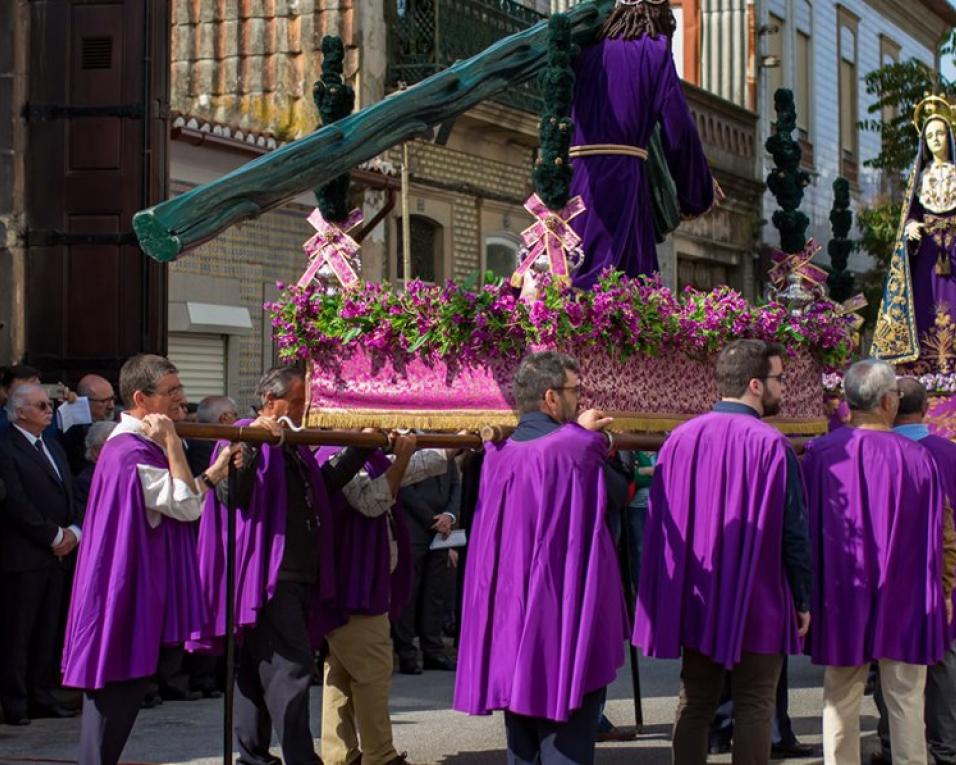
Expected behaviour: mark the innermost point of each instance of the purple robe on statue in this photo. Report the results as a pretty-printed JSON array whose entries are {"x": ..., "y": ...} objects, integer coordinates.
[
  {"x": 875, "y": 503},
  {"x": 362, "y": 555},
  {"x": 260, "y": 544},
  {"x": 136, "y": 587},
  {"x": 712, "y": 575},
  {"x": 543, "y": 613},
  {"x": 623, "y": 89}
]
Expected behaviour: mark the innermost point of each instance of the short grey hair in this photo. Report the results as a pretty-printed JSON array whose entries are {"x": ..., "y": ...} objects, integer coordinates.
[
  {"x": 210, "y": 409},
  {"x": 95, "y": 438},
  {"x": 277, "y": 381},
  {"x": 866, "y": 382},
  {"x": 141, "y": 373},
  {"x": 18, "y": 398},
  {"x": 537, "y": 374}
]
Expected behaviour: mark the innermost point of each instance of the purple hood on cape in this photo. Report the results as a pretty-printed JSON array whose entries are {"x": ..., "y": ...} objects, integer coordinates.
[
  {"x": 362, "y": 554},
  {"x": 136, "y": 587},
  {"x": 876, "y": 514},
  {"x": 260, "y": 543},
  {"x": 543, "y": 621},
  {"x": 712, "y": 576}
]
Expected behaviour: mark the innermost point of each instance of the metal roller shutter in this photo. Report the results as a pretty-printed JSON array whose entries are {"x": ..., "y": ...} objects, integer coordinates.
[{"x": 201, "y": 360}]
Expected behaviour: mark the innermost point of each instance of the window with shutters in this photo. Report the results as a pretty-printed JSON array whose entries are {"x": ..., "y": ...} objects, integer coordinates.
[
  {"x": 201, "y": 361},
  {"x": 426, "y": 249},
  {"x": 849, "y": 111},
  {"x": 889, "y": 54}
]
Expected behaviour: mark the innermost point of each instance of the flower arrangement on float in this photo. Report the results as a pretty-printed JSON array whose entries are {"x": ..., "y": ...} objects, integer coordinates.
[{"x": 622, "y": 316}]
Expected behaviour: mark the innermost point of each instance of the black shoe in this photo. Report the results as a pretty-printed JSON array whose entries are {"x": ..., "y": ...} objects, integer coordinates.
[
  {"x": 53, "y": 711},
  {"x": 880, "y": 758},
  {"x": 719, "y": 746},
  {"x": 439, "y": 662},
  {"x": 409, "y": 667},
  {"x": 16, "y": 720},
  {"x": 151, "y": 700},
  {"x": 177, "y": 694},
  {"x": 792, "y": 751}
]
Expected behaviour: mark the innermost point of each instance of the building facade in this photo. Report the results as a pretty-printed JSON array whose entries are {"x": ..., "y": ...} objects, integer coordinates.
[{"x": 823, "y": 50}]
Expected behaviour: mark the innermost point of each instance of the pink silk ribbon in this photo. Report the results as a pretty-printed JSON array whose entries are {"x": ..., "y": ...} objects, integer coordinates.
[
  {"x": 332, "y": 245},
  {"x": 550, "y": 233},
  {"x": 800, "y": 262}
]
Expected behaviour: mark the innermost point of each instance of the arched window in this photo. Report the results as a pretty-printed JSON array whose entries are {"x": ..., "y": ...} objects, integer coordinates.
[
  {"x": 501, "y": 254},
  {"x": 426, "y": 249}
]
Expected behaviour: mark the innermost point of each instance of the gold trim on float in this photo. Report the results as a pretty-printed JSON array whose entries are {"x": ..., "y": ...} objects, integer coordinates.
[{"x": 624, "y": 422}]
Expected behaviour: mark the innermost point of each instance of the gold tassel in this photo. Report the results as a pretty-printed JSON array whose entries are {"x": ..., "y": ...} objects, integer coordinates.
[
  {"x": 943, "y": 267},
  {"x": 624, "y": 422}
]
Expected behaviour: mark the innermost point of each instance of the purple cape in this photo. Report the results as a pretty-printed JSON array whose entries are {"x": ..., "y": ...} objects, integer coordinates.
[
  {"x": 712, "y": 576},
  {"x": 623, "y": 89},
  {"x": 543, "y": 615},
  {"x": 944, "y": 454},
  {"x": 876, "y": 512},
  {"x": 362, "y": 555},
  {"x": 136, "y": 587},
  {"x": 260, "y": 543}
]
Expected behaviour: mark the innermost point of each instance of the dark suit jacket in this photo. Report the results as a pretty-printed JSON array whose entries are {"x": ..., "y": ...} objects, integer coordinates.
[
  {"x": 38, "y": 503},
  {"x": 426, "y": 499}
]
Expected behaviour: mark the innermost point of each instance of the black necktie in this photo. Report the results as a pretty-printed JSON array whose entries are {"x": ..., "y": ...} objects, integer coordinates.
[{"x": 39, "y": 445}]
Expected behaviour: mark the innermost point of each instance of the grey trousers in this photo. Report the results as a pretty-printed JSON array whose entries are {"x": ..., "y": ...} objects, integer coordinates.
[{"x": 940, "y": 710}]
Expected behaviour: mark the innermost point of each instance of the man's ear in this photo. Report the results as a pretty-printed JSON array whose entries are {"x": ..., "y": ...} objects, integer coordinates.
[{"x": 139, "y": 399}]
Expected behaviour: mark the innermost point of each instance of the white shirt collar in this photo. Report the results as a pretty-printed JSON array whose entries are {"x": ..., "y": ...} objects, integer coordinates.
[
  {"x": 134, "y": 426},
  {"x": 27, "y": 435}
]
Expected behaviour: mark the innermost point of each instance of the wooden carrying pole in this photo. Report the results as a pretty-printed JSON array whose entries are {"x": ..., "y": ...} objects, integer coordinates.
[{"x": 373, "y": 440}]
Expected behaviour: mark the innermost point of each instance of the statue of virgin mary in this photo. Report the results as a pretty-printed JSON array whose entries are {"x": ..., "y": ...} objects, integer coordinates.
[{"x": 922, "y": 276}]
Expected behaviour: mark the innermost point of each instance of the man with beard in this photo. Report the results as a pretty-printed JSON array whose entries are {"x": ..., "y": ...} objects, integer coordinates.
[{"x": 725, "y": 577}]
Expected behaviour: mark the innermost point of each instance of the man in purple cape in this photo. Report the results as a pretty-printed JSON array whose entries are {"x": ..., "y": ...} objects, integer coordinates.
[
  {"x": 373, "y": 574},
  {"x": 543, "y": 616},
  {"x": 285, "y": 572},
  {"x": 725, "y": 577},
  {"x": 875, "y": 504},
  {"x": 624, "y": 86},
  {"x": 939, "y": 709},
  {"x": 136, "y": 586}
]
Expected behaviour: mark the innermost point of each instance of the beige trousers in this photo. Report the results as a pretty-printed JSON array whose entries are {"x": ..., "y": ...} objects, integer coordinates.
[
  {"x": 903, "y": 689},
  {"x": 358, "y": 678}
]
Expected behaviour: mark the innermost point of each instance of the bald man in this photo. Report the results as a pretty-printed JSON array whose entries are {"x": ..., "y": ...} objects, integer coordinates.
[{"x": 99, "y": 392}]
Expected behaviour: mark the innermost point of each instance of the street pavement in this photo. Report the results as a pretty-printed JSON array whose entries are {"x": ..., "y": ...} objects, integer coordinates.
[{"x": 191, "y": 731}]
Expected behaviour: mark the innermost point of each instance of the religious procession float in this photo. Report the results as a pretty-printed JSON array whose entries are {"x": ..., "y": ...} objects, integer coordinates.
[{"x": 620, "y": 165}]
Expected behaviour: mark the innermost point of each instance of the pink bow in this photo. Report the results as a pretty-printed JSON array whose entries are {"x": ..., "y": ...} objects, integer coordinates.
[
  {"x": 332, "y": 245},
  {"x": 550, "y": 233},
  {"x": 786, "y": 263}
]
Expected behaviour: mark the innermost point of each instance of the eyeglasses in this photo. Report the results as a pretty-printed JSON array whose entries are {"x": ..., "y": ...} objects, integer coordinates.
[
  {"x": 782, "y": 377},
  {"x": 42, "y": 405},
  {"x": 174, "y": 392},
  {"x": 105, "y": 400},
  {"x": 576, "y": 389}
]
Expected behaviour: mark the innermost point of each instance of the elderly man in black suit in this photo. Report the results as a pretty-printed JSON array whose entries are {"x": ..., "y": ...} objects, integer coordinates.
[
  {"x": 37, "y": 533},
  {"x": 431, "y": 506}
]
